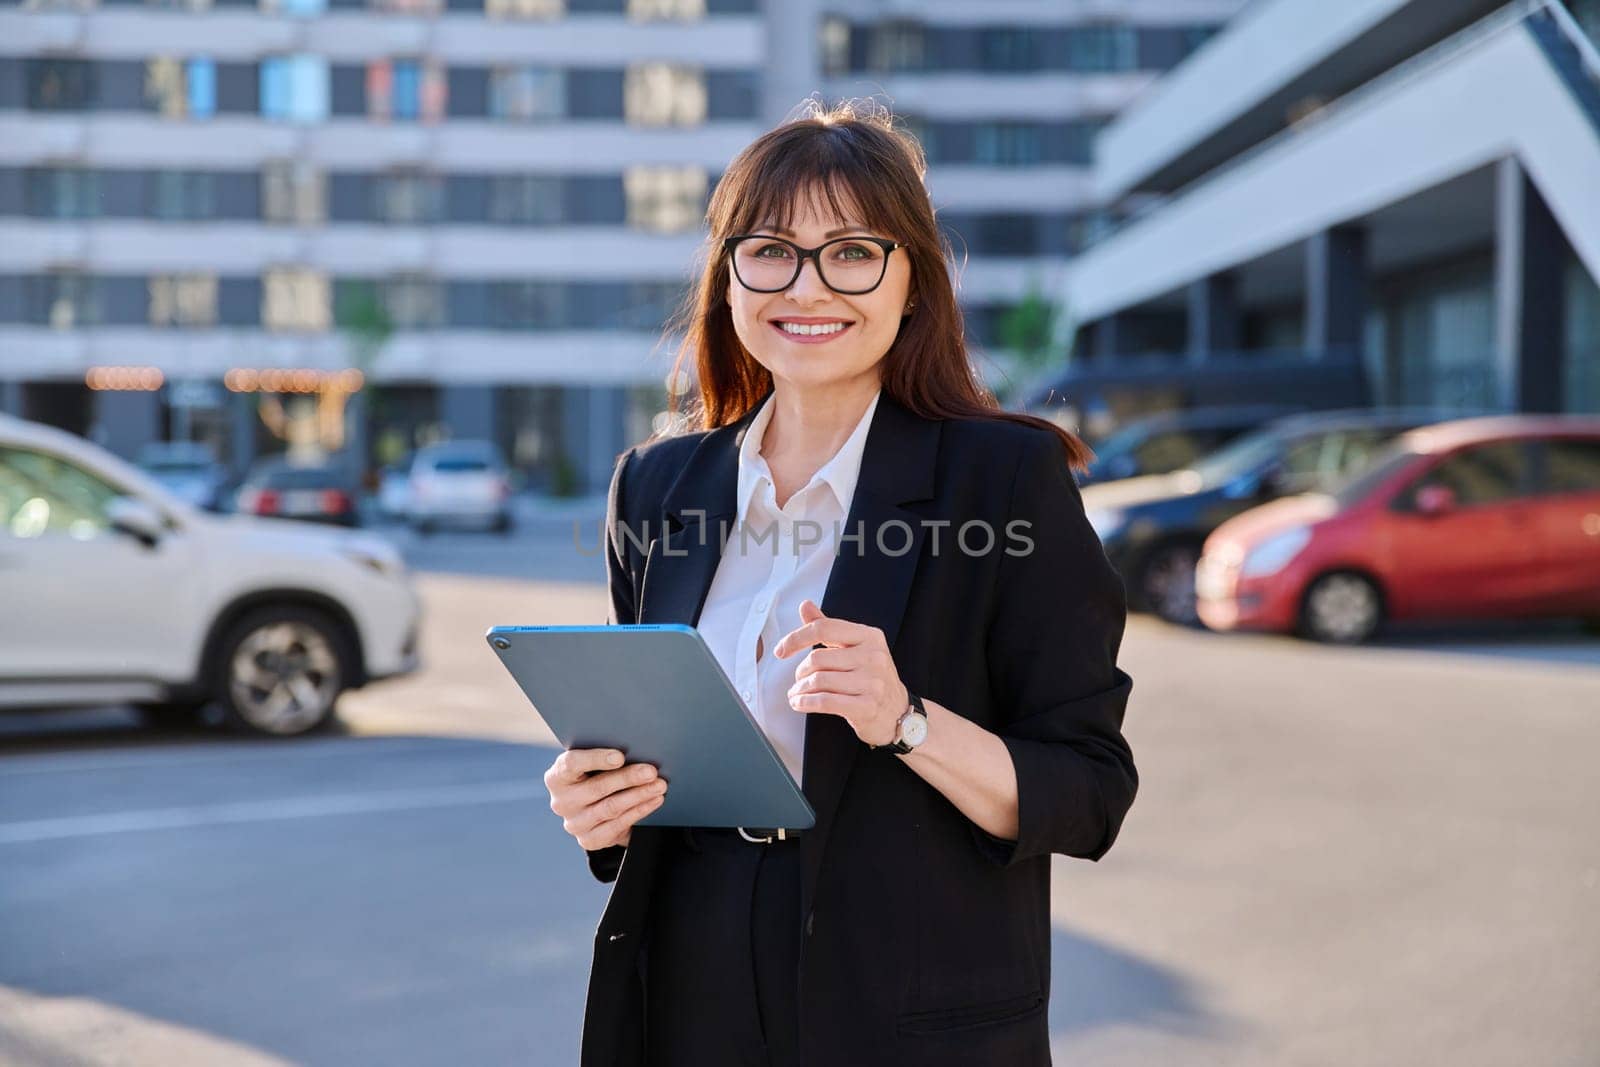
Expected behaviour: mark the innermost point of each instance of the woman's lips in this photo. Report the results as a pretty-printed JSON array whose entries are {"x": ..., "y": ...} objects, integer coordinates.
[{"x": 811, "y": 338}]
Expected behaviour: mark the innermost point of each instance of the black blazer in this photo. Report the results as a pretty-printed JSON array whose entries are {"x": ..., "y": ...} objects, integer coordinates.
[{"x": 926, "y": 940}]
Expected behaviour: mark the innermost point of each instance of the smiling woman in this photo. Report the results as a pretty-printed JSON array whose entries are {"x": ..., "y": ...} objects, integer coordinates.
[{"x": 940, "y": 674}]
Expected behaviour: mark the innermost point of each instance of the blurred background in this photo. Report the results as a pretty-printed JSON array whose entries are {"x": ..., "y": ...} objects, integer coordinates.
[{"x": 322, "y": 323}]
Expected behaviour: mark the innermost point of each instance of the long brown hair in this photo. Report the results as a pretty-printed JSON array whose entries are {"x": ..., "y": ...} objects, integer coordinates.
[{"x": 840, "y": 155}]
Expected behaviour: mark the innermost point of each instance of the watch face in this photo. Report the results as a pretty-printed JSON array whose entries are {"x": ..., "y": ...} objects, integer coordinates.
[{"x": 914, "y": 730}]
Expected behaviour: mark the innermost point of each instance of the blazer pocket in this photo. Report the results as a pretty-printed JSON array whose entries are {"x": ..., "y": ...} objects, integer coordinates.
[{"x": 971, "y": 1016}]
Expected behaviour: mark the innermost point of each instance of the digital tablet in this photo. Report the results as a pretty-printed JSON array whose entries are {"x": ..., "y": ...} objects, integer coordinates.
[{"x": 658, "y": 694}]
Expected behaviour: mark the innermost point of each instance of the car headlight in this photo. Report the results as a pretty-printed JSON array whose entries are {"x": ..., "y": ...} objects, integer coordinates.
[
  {"x": 1106, "y": 521},
  {"x": 1274, "y": 554}
]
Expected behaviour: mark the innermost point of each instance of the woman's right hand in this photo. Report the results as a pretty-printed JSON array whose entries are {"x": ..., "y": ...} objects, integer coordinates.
[{"x": 598, "y": 798}]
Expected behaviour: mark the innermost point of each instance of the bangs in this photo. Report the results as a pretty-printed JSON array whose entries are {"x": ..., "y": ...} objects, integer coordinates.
[{"x": 823, "y": 168}]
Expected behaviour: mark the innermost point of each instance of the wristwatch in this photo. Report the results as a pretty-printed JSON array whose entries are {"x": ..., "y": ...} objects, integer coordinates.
[{"x": 913, "y": 727}]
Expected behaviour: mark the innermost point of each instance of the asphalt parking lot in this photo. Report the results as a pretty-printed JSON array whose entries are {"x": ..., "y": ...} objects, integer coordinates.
[{"x": 1338, "y": 856}]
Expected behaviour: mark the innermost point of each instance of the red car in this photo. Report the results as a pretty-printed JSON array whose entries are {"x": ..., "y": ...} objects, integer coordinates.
[{"x": 1481, "y": 518}]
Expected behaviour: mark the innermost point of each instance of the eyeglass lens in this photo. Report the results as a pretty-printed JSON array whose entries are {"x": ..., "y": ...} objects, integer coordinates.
[{"x": 847, "y": 265}]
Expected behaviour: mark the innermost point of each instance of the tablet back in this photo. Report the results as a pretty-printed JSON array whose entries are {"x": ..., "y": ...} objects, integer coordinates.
[{"x": 658, "y": 694}]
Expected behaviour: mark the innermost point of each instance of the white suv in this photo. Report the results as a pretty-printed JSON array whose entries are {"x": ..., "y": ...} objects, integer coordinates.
[{"x": 113, "y": 590}]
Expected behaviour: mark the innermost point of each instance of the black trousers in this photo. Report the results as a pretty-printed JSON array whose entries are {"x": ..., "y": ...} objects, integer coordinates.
[{"x": 722, "y": 955}]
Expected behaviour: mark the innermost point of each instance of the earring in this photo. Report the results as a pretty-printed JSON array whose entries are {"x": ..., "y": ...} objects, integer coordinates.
[{"x": 911, "y": 306}]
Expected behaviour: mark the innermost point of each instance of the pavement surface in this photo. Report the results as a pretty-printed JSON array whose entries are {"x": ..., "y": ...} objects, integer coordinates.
[{"x": 1375, "y": 856}]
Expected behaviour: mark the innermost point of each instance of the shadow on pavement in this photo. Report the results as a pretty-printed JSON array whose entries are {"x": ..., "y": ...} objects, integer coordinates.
[{"x": 1094, "y": 985}]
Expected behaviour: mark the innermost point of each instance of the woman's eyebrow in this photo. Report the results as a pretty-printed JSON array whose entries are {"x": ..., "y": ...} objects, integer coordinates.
[{"x": 830, "y": 234}]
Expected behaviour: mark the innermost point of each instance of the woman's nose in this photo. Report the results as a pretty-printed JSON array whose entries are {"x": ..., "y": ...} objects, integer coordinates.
[{"x": 808, "y": 288}]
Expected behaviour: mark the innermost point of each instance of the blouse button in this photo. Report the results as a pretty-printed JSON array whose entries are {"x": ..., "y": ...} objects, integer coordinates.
[{"x": 745, "y": 694}]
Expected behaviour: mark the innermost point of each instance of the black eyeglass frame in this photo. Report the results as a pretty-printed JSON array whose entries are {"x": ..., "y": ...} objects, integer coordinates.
[{"x": 814, "y": 254}]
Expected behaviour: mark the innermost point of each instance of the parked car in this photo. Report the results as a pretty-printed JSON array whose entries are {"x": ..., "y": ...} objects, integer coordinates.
[
  {"x": 316, "y": 492},
  {"x": 1173, "y": 440},
  {"x": 118, "y": 591},
  {"x": 1475, "y": 519},
  {"x": 459, "y": 483},
  {"x": 188, "y": 469},
  {"x": 1153, "y": 528},
  {"x": 394, "y": 488}
]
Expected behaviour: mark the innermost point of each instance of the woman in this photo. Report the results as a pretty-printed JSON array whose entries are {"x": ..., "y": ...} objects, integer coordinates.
[{"x": 938, "y": 667}]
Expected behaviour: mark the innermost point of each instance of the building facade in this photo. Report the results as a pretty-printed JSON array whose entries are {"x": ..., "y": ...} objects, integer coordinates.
[
  {"x": 1415, "y": 182},
  {"x": 213, "y": 210}
]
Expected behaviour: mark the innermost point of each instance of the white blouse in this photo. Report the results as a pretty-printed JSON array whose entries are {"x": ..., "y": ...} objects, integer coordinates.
[{"x": 764, "y": 574}]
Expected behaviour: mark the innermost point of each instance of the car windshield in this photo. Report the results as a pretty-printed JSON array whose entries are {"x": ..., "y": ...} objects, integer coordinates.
[
  {"x": 1248, "y": 453},
  {"x": 1361, "y": 484},
  {"x": 176, "y": 466},
  {"x": 460, "y": 464}
]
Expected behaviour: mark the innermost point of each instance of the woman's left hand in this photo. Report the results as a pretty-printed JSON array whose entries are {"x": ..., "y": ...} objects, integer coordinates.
[{"x": 854, "y": 677}]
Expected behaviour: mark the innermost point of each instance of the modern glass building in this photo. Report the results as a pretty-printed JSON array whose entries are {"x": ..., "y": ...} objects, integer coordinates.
[
  {"x": 487, "y": 207},
  {"x": 1416, "y": 182}
]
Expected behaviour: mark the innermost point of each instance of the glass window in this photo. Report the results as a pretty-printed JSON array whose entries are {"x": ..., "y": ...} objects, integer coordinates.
[
  {"x": 413, "y": 302},
  {"x": 408, "y": 198},
  {"x": 665, "y": 199},
  {"x": 294, "y": 88},
  {"x": 1572, "y": 466},
  {"x": 295, "y": 299},
  {"x": 525, "y": 199},
  {"x": 59, "y": 84},
  {"x": 684, "y": 10},
  {"x": 184, "y": 195},
  {"x": 65, "y": 300},
  {"x": 526, "y": 305},
  {"x": 41, "y": 493},
  {"x": 1485, "y": 474},
  {"x": 524, "y": 9},
  {"x": 1007, "y": 144},
  {"x": 183, "y": 300},
  {"x": 293, "y": 193},
  {"x": 407, "y": 7},
  {"x": 527, "y": 94},
  {"x": 181, "y": 89},
  {"x": 63, "y": 193},
  {"x": 300, "y": 8},
  {"x": 1008, "y": 50},
  {"x": 660, "y": 94},
  {"x": 898, "y": 46},
  {"x": 405, "y": 89},
  {"x": 1102, "y": 49},
  {"x": 835, "y": 37}
]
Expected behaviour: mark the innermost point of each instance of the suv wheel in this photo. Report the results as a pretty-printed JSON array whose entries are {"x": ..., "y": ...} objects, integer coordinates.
[
  {"x": 1342, "y": 609},
  {"x": 1166, "y": 582},
  {"x": 282, "y": 669}
]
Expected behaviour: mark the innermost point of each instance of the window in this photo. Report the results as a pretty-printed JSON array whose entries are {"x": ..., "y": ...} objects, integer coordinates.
[
  {"x": 1008, "y": 50},
  {"x": 1572, "y": 466},
  {"x": 527, "y": 94},
  {"x": 183, "y": 195},
  {"x": 526, "y": 305},
  {"x": 1007, "y": 144},
  {"x": 63, "y": 193},
  {"x": 659, "y": 94},
  {"x": 41, "y": 493},
  {"x": 524, "y": 199},
  {"x": 683, "y": 10},
  {"x": 294, "y": 88},
  {"x": 665, "y": 199},
  {"x": 524, "y": 9},
  {"x": 407, "y": 90},
  {"x": 407, "y": 198},
  {"x": 183, "y": 300},
  {"x": 835, "y": 41},
  {"x": 1486, "y": 474},
  {"x": 1102, "y": 49},
  {"x": 59, "y": 84},
  {"x": 299, "y": 8},
  {"x": 65, "y": 300},
  {"x": 898, "y": 46},
  {"x": 181, "y": 89},
  {"x": 295, "y": 298},
  {"x": 293, "y": 193},
  {"x": 413, "y": 302},
  {"x": 407, "y": 7}
]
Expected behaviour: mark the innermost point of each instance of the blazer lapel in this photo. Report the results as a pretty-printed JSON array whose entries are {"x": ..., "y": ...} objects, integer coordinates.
[{"x": 869, "y": 582}]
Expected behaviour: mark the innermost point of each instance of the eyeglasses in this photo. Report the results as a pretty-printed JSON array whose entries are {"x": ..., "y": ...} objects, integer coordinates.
[{"x": 849, "y": 266}]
